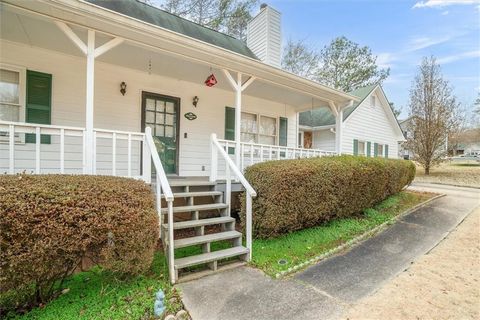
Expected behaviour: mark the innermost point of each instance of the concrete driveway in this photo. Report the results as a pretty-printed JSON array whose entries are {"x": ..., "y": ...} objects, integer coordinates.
[{"x": 326, "y": 290}]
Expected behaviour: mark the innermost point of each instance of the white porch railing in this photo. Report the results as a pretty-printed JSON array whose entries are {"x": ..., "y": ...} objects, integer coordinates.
[
  {"x": 217, "y": 148},
  {"x": 251, "y": 153},
  {"x": 150, "y": 151},
  {"x": 17, "y": 156}
]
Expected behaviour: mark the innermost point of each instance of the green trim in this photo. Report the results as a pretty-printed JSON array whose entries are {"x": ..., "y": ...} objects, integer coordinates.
[
  {"x": 369, "y": 146},
  {"x": 283, "y": 132},
  {"x": 230, "y": 127},
  {"x": 355, "y": 147},
  {"x": 386, "y": 151},
  {"x": 375, "y": 149},
  {"x": 38, "y": 107}
]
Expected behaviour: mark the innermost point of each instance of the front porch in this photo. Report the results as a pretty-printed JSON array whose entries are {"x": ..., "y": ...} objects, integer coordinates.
[{"x": 107, "y": 98}]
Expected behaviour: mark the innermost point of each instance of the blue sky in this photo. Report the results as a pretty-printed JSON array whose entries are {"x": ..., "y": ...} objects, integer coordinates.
[{"x": 400, "y": 33}]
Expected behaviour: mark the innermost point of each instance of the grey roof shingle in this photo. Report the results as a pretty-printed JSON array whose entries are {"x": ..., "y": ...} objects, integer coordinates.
[
  {"x": 166, "y": 20},
  {"x": 323, "y": 116}
]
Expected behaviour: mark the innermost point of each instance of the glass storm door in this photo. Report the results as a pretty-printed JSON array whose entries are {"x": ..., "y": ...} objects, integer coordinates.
[{"x": 160, "y": 113}]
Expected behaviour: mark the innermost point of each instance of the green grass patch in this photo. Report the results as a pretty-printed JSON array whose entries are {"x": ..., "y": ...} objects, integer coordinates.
[
  {"x": 300, "y": 246},
  {"x": 98, "y": 294},
  {"x": 465, "y": 164}
]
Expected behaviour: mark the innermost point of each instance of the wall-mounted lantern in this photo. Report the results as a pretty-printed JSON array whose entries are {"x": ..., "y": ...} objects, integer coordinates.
[
  {"x": 123, "y": 88},
  {"x": 195, "y": 101}
]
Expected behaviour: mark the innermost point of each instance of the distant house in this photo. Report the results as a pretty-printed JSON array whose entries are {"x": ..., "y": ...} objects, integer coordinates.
[
  {"x": 466, "y": 143},
  {"x": 369, "y": 126}
]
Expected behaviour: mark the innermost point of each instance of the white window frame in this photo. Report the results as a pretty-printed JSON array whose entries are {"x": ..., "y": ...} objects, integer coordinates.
[
  {"x": 364, "y": 148},
  {"x": 22, "y": 91},
  {"x": 301, "y": 137},
  {"x": 381, "y": 154},
  {"x": 373, "y": 101},
  {"x": 257, "y": 133}
]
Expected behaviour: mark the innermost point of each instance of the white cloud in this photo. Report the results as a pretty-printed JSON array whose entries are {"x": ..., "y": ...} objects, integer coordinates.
[
  {"x": 386, "y": 59},
  {"x": 425, "y": 42},
  {"x": 442, "y": 3},
  {"x": 444, "y": 13},
  {"x": 460, "y": 56}
]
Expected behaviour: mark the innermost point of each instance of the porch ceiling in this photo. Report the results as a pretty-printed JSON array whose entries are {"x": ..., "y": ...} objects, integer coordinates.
[{"x": 39, "y": 30}]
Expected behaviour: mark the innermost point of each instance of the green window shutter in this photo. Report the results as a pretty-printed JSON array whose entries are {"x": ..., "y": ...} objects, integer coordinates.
[
  {"x": 230, "y": 126},
  {"x": 369, "y": 145},
  {"x": 375, "y": 149},
  {"x": 386, "y": 151},
  {"x": 355, "y": 147},
  {"x": 39, "y": 102},
  {"x": 282, "y": 140}
]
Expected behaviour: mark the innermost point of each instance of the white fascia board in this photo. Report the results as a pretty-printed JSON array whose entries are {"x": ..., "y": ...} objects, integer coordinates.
[
  {"x": 115, "y": 24},
  {"x": 318, "y": 128}
]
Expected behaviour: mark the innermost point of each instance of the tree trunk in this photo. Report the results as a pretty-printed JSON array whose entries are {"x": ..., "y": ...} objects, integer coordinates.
[{"x": 427, "y": 170}]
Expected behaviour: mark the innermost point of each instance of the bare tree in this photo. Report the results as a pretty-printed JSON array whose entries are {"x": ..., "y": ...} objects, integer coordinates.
[
  {"x": 228, "y": 16},
  {"x": 434, "y": 113},
  {"x": 299, "y": 59}
]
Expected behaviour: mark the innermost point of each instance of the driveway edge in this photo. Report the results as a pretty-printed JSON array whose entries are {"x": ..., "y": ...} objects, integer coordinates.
[{"x": 349, "y": 244}]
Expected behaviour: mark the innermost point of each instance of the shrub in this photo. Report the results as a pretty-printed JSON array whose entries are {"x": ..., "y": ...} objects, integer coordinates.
[
  {"x": 302, "y": 193},
  {"x": 50, "y": 223}
]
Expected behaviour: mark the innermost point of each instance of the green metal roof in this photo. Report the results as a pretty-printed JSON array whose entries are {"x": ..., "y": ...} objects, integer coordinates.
[
  {"x": 166, "y": 20},
  {"x": 323, "y": 116}
]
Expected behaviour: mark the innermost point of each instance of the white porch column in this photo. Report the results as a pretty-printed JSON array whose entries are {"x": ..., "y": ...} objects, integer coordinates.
[
  {"x": 239, "y": 88},
  {"x": 238, "y": 118},
  {"x": 91, "y": 53},
  {"x": 89, "y": 101},
  {"x": 338, "y": 131}
]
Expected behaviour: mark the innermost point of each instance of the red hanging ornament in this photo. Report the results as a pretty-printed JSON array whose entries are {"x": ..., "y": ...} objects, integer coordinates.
[{"x": 211, "y": 81}]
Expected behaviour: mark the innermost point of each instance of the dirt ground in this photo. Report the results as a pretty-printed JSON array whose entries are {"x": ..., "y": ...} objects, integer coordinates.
[
  {"x": 444, "y": 284},
  {"x": 460, "y": 174}
]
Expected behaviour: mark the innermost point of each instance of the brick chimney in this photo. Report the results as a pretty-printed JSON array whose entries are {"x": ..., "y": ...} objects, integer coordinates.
[{"x": 264, "y": 35}]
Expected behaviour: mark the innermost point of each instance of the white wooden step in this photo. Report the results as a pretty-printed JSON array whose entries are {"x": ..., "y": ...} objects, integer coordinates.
[
  {"x": 199, "y": 223},
  {"x": 196, "y": 194},
  {"x": 194, "y": 183},
  {"x": 209, "y": 257},
  {"x": 199, "y": 207},
  {"x": 185, "y": 242}
]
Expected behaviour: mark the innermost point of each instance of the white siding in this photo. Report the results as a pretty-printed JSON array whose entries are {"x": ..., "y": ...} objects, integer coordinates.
[
  {"x": 324, "y": 140},
  {"x": 264, "y": 36},
  {"x": 114, "y": 111},
  {"x": 368, "y": 123}
]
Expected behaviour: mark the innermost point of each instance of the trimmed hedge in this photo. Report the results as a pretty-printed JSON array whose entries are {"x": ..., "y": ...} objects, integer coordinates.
[
  {"x": 50, "y": 223},
  {"x": 302, "y": 193}
]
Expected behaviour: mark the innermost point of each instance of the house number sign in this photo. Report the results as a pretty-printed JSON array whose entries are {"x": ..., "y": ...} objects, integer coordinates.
[{"x": 190, "y": 116}]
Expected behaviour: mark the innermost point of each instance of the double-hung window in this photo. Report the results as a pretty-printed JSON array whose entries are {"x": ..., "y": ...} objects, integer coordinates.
[
  {"x": 12, "y": 98},
  {"x": 258, "y": 129},
  {"x": 361, "y": 148},
  {"x": 380, "y": 150}
]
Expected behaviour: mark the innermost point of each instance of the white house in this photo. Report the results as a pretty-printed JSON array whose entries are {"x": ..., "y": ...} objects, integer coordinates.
[
  {"x": 370, "y": 127},
  {"x": 114, "y": 87}
]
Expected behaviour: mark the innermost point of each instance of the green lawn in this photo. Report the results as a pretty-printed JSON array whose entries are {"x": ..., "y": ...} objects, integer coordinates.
[
  {"x": 97, "y": 294},
  {"x": 300, "y": 246}
]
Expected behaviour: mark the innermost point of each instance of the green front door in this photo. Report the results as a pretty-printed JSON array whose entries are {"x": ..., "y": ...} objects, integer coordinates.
[{"x": 160, "y": 113}]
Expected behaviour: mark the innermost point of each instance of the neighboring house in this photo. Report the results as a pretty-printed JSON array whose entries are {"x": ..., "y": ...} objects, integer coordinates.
[
  {"x": 403, "y": 151},
  {"x": 116, "y": 87},
  {"x": 370, "y": 127},
  {"x": 466, "y": 143}
]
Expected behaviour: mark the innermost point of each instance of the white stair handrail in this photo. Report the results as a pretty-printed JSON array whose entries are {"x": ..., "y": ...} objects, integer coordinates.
[
  {"x": 162, "y": 184},
  {"x": 250, "y": 192}
]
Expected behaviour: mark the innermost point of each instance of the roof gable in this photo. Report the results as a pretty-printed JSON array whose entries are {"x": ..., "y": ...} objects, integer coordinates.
[
  {"x": 323, "y": 116},
  {"x": 166, "y": 20}
]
